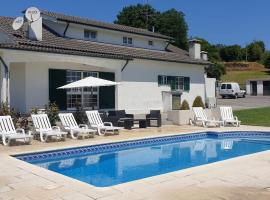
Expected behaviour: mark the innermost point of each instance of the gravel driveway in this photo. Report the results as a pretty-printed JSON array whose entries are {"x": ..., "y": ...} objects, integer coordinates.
[{"x": 245, "y": 103}]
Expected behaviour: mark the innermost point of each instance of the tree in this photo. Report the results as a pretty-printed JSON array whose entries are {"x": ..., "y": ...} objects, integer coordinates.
[
  {"x": 212, "y": 50},
  {"x": 261, "y": 44},
  {"x": 266, "y": 59},
  {"x": 255, "y": 51},
  {"x": 231, "y": 53},
  {"x": 216, "y": 70},
  {"x": 171, "y": 22},
  {"x": 138, "y": 16}
]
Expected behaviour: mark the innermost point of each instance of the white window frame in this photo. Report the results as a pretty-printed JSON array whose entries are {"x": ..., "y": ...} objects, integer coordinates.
[
  {"x": 126, "y": 41},
  {"x": 82, "y": 92},
  {"x": 178, "y": 81},
  {"x": 90, "y": 34},
  {"x": 164, "y": 80}
]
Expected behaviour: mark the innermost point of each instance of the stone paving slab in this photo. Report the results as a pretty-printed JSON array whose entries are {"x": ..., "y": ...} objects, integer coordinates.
[{"x": 246, "y": 177}]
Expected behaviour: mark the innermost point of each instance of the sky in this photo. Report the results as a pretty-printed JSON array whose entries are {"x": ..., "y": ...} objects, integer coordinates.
[{"x": 218, "y": 21}]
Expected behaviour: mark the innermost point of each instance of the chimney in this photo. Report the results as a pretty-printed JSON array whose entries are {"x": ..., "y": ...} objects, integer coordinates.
[
  {"x": 195, "y": 49},
  {"x": 35, "y": 30},
  {"x": 204, "y": 55}
]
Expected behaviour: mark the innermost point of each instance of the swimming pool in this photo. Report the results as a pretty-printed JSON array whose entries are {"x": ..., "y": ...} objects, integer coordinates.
[{"x": 114, "y": 163}]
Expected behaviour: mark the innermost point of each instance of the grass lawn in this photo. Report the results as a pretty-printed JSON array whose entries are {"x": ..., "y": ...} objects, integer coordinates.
[
  {"x": 255, "y": 116},
  {"x": 242, "y": 76}
]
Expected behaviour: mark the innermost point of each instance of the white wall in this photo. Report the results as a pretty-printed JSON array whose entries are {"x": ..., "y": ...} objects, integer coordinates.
[
  {"x": 259, "y": 87},
  {"x": 139, "y": 91},
  {"x": 107, "y": 36},
  {"x": 18, "y": 86},
  {"x": 248, "y": 89},
  {"x": 210, "y": 87}
]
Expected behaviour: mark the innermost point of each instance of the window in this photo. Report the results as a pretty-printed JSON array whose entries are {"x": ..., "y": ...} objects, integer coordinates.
[
  {"x": 130, "y": 41},
  {"x": 88, "y": 34},
  {"x": 223, "y": 86},
  {"x": 176, "y": 101},
  {"x": 229, "y": 86},
  {"x": 77, "y": 96},
  {"x": 150, "y": 43},
  {"x": 127, "y": 40},
  {"x": 177, "y": 83},
  {"x": 162, "y": 80},
  {"x": 74, "y": 100}
]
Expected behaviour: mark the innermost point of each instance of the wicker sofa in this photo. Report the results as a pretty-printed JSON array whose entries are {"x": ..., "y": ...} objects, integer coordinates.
[{"x": 117, "y": 117}]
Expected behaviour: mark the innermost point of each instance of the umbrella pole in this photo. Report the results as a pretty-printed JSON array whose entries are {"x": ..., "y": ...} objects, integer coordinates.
[{"x": 92, "y": 98}]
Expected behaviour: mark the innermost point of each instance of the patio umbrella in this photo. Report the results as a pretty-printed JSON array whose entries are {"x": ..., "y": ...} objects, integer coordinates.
[{"x": 89, "y": 82}]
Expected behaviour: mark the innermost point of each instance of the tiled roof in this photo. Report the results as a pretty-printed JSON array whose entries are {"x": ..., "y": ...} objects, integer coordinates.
[
  {"x": 53, "y": 43},
  {"x": 116, "y": 27}
]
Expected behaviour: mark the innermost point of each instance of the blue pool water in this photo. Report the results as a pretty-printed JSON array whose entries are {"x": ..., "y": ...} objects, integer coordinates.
[{"x": 115, "y": 163}]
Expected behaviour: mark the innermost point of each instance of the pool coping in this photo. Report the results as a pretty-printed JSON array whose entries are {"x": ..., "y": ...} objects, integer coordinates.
[{"x": 134, "y": 143}]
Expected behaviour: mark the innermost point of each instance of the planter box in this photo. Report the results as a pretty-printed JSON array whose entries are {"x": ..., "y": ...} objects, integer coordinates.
[{"x": 180, "y": 117}]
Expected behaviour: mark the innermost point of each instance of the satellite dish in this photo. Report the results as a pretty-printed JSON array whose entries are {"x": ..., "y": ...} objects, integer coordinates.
[
  {"x": 32, "y": 14},
  {"x": 17, "y": 23}
]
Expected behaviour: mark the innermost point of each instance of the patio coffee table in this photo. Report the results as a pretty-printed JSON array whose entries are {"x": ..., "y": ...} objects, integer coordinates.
[{"x": 128, "y": 123}]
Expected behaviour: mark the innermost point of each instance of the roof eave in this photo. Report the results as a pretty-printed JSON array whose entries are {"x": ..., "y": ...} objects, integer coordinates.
[
  {"x": 108, "y": 56},
  {"x": 144, "y": 34}
]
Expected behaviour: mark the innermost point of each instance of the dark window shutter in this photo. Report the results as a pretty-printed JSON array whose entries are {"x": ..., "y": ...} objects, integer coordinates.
[
  {"x": 159, "y": 80},
  {"x": 107, "y": 94},
  {"x": 173, "y": 82},
  {"x": 186, "y": 83},
  {"x": 57, "y": 78}
]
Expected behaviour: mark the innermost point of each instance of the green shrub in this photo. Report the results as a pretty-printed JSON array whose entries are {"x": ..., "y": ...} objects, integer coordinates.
[
  {"x": 18, "y": 119},
  {"x": 198, "y": 102},
  {"x": 184, "y": 105},
  {"x": 34, "y": 110},
  {"x": 52, "y": 110},
  {"x": 6, "y": 110}
]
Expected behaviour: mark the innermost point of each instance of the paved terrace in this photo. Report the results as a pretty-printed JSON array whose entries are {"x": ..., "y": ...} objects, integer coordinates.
[{"x": 246, "y": 177}]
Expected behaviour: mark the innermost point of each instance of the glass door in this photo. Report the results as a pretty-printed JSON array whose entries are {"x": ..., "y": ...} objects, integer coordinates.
[{"x": 86, "y": 98}]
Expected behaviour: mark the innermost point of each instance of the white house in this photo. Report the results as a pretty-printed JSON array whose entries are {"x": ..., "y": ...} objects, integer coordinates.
[{"x": 58, "y": 49}]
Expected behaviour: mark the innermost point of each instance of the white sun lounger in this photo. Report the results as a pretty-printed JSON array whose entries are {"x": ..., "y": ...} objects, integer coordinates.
[
  {"x": 227, "y": 116},
  {"x": 69, "y": 123},
  {"x": 8, "y": 131},
  {"x": 44, "y": 128},
  {"x": 201, "y": 117},
  {"x": 101, "y": 127}
]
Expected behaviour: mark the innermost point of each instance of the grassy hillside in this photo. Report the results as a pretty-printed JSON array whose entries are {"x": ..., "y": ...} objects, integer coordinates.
[{"x": 242, "y": 71}]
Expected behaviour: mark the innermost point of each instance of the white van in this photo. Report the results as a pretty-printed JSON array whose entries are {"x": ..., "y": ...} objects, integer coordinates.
[{"x": 231, "y": 89}]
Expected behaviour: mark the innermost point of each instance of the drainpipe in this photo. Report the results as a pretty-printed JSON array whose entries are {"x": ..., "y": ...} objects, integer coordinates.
[
  {"x": 127, "y": 61},
  {"x": 65, "y": 31},
  {"x": 6, "y": 76}
]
